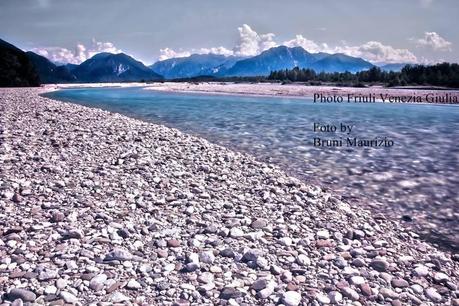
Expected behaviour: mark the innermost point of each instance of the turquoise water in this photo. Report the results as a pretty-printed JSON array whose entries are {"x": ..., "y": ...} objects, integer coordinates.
[{"x": 416, "y": 178}]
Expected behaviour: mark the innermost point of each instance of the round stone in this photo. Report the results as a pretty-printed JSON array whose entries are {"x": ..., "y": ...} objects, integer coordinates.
[
  {"x": 399, "y": 283},
  {"x": 421, "y": 271},
  {"x": 379, "y": 265},
  {"x": 433, "y": 295},
  {"x": 303, "y": 260},
  {"x": 23, "y": 294},
  {"x": 291, "y": 298}
]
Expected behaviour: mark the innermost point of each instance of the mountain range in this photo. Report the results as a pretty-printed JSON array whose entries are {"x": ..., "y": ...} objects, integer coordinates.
[
  {"x": 108, "y": 67},
  {"x": 282, "y": 57},
  {"x": 194, "y": 65}
]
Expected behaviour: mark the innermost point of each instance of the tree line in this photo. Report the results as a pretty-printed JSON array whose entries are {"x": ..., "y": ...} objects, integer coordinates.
[{"x": 444, "y": 74}]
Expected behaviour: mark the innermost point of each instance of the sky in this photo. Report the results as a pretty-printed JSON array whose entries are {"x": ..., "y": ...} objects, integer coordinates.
[{"x": 381, "y": 31}]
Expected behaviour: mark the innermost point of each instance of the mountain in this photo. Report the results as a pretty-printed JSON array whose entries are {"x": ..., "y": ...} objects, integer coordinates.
[
  {"x": 393, "y": 67},
  {"x": 194, "y": 65},
  {"x": 16, "y": 69},
  {"x": 48, "y": 71},
  {"x": 276, "y": 58},
  {"x": 70, "y": 67},
  {"x": 340, "y": 63},
  {"x": 108, "y": 67}
]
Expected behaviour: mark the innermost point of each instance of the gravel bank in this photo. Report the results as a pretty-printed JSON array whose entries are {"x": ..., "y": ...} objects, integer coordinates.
[
  {"x": 297, "y": 90},
  {"x": 97, "y": 207}
]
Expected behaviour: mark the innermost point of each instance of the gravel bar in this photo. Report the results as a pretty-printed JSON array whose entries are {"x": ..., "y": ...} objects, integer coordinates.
[{"x": 99, "y": 209}]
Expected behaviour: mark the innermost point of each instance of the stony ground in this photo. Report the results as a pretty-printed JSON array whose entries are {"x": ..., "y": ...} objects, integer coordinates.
[{"x": 97, "y": 208}]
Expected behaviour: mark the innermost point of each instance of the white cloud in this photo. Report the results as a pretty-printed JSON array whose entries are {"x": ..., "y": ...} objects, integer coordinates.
[
  {"x": 377, "y": 52},
  {"x": 372, "y": 51},
  {"x": 435, "y": 41},
  {"x": 300, "y": 41},
  {"x": 167, "y": 53},
  {"x": 216, "y": 50},
  {"x": 78, "y": 55},
  {"x": 251, "y": 43}
]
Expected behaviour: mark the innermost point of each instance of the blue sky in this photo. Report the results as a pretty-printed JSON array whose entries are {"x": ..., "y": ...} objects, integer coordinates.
[{"x": 377, "y": 30}]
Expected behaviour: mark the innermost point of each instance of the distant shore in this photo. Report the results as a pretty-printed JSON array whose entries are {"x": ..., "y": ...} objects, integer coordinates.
[
  {"x": 325, "y": 94},
  {"x": 297, "y": 90}
]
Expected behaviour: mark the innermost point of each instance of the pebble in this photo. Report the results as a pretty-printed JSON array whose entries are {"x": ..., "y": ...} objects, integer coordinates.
[
  {"x": 303, "y": 260},
  {"x": 421, "y": 271},
  {"x": 322, "y": 298},
  {"x": 433, "y": 295},
  {"x": 259, "y": 224},
  {"x": 230, "y": 293},
  {"x": 173, "y": 243},
  {"x": 357, "y": 280},
  {"x": 207, "y": 257},
  {"x": 379, "y": 265},
  {"x": 350, "y": 293},
  {"x": 50, "y": 290},
  {"x": 118, "y": 254},
  {"x": 97, "y": 283},
  {"x": 291, "y": 298},
  {"x": 399, "y": 283},
  {"x": 440, "y": 277},
  {"x": 23, "y": 294},
  {"x": 286, "y": 241},
  {"x": 118, "y": 297},
  {"x": 68, "y": 297},
  {"x": 266, "y": 292},
  {"x": 133, "y": 285},
  {"x": 324, "y": 234},
  {"x": 388, "y": 293}
]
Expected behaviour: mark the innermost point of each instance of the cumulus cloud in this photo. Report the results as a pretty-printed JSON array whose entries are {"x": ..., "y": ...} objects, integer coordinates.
[
  {"x": 377, "y": 52},
  {"x": 435, "y": 41},
  {"x": 79, "y": 54},
  {"x": 372, "y": 51},
  {"x": 167, "y": 53},
  {"x": 251, "y": 43},
  {"x": 300, "y": 41}
]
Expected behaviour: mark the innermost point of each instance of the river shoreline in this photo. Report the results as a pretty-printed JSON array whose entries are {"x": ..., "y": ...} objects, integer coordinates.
[
  {"x": 105, "y": 208},
  {"x": 348, "y": 94}
]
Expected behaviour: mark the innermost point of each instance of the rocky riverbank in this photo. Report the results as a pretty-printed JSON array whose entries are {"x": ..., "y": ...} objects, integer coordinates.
[{"x": 97, "y": 207}]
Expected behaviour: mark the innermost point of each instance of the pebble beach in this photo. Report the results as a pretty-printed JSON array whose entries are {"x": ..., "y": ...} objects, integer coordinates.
[{"x": 100, "y": 209}]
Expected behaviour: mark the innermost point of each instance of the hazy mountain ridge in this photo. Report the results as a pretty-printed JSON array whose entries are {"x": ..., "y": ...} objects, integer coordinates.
[
  {"x": 276, "y": 58},
  {"x": 396, "y": 67},
  {"x": 108, "y": 67},
  {"x": 194, "y": 65},
  {"x": 341, "y": 63}
]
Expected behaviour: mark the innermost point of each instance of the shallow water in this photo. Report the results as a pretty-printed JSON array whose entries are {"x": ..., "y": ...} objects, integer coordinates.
[{"x": 417, "y": 179}]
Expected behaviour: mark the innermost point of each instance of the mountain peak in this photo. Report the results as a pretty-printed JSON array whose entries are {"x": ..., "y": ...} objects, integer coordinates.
[
  {"x": 276, "y": 58},
  {"x": 109, "y": 67}
]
